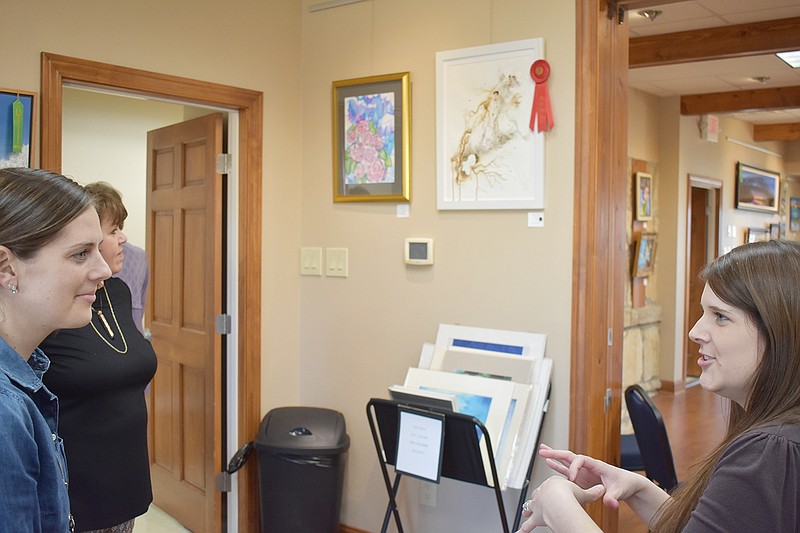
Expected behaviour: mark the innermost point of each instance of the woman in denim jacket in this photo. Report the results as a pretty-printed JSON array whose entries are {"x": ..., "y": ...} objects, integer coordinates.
[{"x": 50, "y": 265}]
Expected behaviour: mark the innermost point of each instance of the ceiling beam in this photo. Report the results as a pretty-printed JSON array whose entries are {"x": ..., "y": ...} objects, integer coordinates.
[
  {"x": 630, "y": 5},
  {"x": 776, "y": 132},
  {"x": 741, "y": 40},
  {"x": 740, "y": 101}
]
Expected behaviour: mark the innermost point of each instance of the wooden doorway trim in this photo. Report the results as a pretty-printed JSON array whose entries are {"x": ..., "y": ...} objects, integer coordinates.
[
  {"x": 599, "y": 237},
  {"x": 714, "y": 187},
  {"x": 56, "y": 70}
]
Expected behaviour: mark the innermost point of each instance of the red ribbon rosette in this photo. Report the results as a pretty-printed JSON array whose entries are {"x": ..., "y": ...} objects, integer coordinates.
[{"x": 541, "y": 112}]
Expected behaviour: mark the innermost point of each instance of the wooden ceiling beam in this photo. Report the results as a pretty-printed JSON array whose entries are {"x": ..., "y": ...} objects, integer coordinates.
[
  {"x": 776, "y": 132},
  {"x": 631, "y": 5},
  {"x": 741, "y": 40},
  {"x": 740, "y": 101}
]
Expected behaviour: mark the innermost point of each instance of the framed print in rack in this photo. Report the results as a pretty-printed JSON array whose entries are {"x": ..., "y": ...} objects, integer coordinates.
[
  {"x": 371, "y": 139},
  {"x": 17, "y": 120},
  {"x": 487, "y": 155}
]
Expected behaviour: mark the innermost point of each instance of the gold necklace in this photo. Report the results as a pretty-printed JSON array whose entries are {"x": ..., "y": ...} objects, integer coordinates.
[{"x": 108, "y": 327}]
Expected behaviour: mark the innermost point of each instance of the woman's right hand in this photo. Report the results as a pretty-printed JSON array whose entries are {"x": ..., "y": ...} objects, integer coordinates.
[{"x": 588, "y": 472}]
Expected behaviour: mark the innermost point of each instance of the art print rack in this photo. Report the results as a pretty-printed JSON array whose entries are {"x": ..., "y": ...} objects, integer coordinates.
[{"x": 461, "y": 453}]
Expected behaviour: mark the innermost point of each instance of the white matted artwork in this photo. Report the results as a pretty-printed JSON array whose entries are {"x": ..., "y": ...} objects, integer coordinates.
[
  {"x": 500, "y": 341},
  {"x": 484, "y": 363},
  {"x": 487, "y": 156},
  {"x": 511, "y": 432},
  {"x": 486, "y": 399}
]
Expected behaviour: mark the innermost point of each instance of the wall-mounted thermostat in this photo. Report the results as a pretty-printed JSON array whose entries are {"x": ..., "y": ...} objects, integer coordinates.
[{"x": 419, "y": 251}]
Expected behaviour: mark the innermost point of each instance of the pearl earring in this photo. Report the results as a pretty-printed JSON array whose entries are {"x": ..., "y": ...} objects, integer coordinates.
[{"x": 12, "y": 288}]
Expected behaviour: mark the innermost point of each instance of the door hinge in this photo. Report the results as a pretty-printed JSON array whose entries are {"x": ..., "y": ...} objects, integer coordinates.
[
  {"x": 610, "y": 336},
  {"x": 223, "y": 324},
  {"x": 224, "y": 162},
  {"x": 607, "y": 401}
]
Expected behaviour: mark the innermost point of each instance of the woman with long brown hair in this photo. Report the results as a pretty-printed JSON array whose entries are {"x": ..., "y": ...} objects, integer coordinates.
[{"x": 749, "y": 337}]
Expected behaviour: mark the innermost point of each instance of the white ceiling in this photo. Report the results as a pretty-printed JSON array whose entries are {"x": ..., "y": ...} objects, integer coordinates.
[{"x": 721, "y": 75}]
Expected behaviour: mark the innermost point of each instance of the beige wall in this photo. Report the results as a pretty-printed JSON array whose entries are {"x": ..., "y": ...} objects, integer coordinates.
[
  {"x": 105, "y": 139},
  {"x": 359, "y": 335},
  {"x": 259, "y": 51},
  {"x": 338, "y": 342},
  {"x": 677, "y": 153}
]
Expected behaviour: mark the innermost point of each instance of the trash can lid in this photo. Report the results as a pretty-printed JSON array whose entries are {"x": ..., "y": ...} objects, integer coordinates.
[{"x": 303, "y": 431}]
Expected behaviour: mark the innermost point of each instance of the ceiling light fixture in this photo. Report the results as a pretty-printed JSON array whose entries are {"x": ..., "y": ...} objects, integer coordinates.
[
  {"x": 760, "y": 79},
  {"x": 650, "y": 14},
  {"x": 791, "y": 58}
]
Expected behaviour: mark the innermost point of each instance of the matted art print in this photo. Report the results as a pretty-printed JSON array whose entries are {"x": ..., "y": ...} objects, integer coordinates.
[
  {"x": 487, "y": 399},
  {"x": 487, "y": 156},
  {"x": 756, "y": 188},
  {"x": 17, "y": 119},
  {"x": 371, "y": 145}
]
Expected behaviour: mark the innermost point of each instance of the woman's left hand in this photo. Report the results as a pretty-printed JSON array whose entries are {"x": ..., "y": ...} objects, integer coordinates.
[{"x": 557, "y": 504}]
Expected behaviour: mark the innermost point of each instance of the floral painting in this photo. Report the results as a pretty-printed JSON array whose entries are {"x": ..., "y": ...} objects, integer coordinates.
[
  {"x": 369, "y": 139},
  {"x": 371, "y": 158}
]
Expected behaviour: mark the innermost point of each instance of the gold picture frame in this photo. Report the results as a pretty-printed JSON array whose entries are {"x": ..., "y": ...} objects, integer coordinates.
[
  {"x": 372, "y": 139},
  {"x": 644, "y": 255},
  {"x": 644, "y": 196}
]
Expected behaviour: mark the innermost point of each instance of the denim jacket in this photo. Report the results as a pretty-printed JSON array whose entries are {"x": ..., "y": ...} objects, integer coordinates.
[{"x": 33, "y": 475}]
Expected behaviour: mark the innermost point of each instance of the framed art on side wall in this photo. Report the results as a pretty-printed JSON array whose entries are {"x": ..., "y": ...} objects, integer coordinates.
[
  {"x": 644, "y": 196},
  {"x": 17, "y": 120},
  {"x": 371, "y": 139},
  {"x": 644, "y": 255},
  {"x": 756, "y": 188}
]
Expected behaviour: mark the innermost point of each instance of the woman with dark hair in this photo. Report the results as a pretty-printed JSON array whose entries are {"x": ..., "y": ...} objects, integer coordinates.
[
  {"x": 50, "y": 266},
  {"x": 99, "y": 373},
  {"x": 749, "y": 337}
]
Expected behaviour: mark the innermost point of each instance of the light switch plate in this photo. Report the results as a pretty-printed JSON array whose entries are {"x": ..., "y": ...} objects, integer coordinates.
[
  {"x": 311, "y": 261},
  {"x": 336, "y": 262}
]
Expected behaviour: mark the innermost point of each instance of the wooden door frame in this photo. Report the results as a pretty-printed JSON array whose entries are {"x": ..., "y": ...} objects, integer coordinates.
[
  {"x": 599, "y": 237},
  {"x": 57, "y": 70},
  {"x": 711, "y": 184}
]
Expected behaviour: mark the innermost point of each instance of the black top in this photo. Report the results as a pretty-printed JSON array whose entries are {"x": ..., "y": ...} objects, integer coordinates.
[{"x": 103, "y": 417}]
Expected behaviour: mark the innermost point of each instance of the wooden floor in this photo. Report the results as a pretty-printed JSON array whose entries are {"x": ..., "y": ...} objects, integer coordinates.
[{"x": 695, "y": 423}]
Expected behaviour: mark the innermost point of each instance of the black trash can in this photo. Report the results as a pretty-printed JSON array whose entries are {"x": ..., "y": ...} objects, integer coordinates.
[{"x": 301, "y": 456}]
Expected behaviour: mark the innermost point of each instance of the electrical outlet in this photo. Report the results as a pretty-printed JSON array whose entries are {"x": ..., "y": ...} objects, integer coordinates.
[{"x": 427, "y": 493}]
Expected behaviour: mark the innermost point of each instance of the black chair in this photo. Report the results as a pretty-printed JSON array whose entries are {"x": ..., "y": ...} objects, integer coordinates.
[
  {"x": 651, "y": 436},
  {"x": 630, "y": 458}
]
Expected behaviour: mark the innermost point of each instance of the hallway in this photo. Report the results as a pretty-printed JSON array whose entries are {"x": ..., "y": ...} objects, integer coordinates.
[{"x": 695, "y": 422}]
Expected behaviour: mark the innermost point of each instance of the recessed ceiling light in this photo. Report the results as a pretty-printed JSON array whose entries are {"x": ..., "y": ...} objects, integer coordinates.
[
  {"x": 650, "y": 14},
  {"x": 791, "y": 58}
]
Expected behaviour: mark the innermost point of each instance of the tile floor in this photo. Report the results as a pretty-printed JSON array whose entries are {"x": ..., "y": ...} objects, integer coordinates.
[{"x": 157, "y": 521}]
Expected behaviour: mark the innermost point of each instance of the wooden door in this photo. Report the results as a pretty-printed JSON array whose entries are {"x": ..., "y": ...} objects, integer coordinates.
[
  {"x": 184, "y": 238},
  {"x": 698, "y": 257}
]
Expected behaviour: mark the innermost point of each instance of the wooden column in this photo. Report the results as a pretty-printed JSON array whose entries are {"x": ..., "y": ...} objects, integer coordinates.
[{"x": 600, "y": 248}]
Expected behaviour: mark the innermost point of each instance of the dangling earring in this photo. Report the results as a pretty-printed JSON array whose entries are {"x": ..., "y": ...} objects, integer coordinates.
[{"x": 12, "y": 288}]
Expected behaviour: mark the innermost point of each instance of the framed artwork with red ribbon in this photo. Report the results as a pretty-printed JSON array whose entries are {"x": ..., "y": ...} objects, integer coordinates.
[
  {"x": 17, "y": 122},
  {"x": 493, "y": 111}
]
